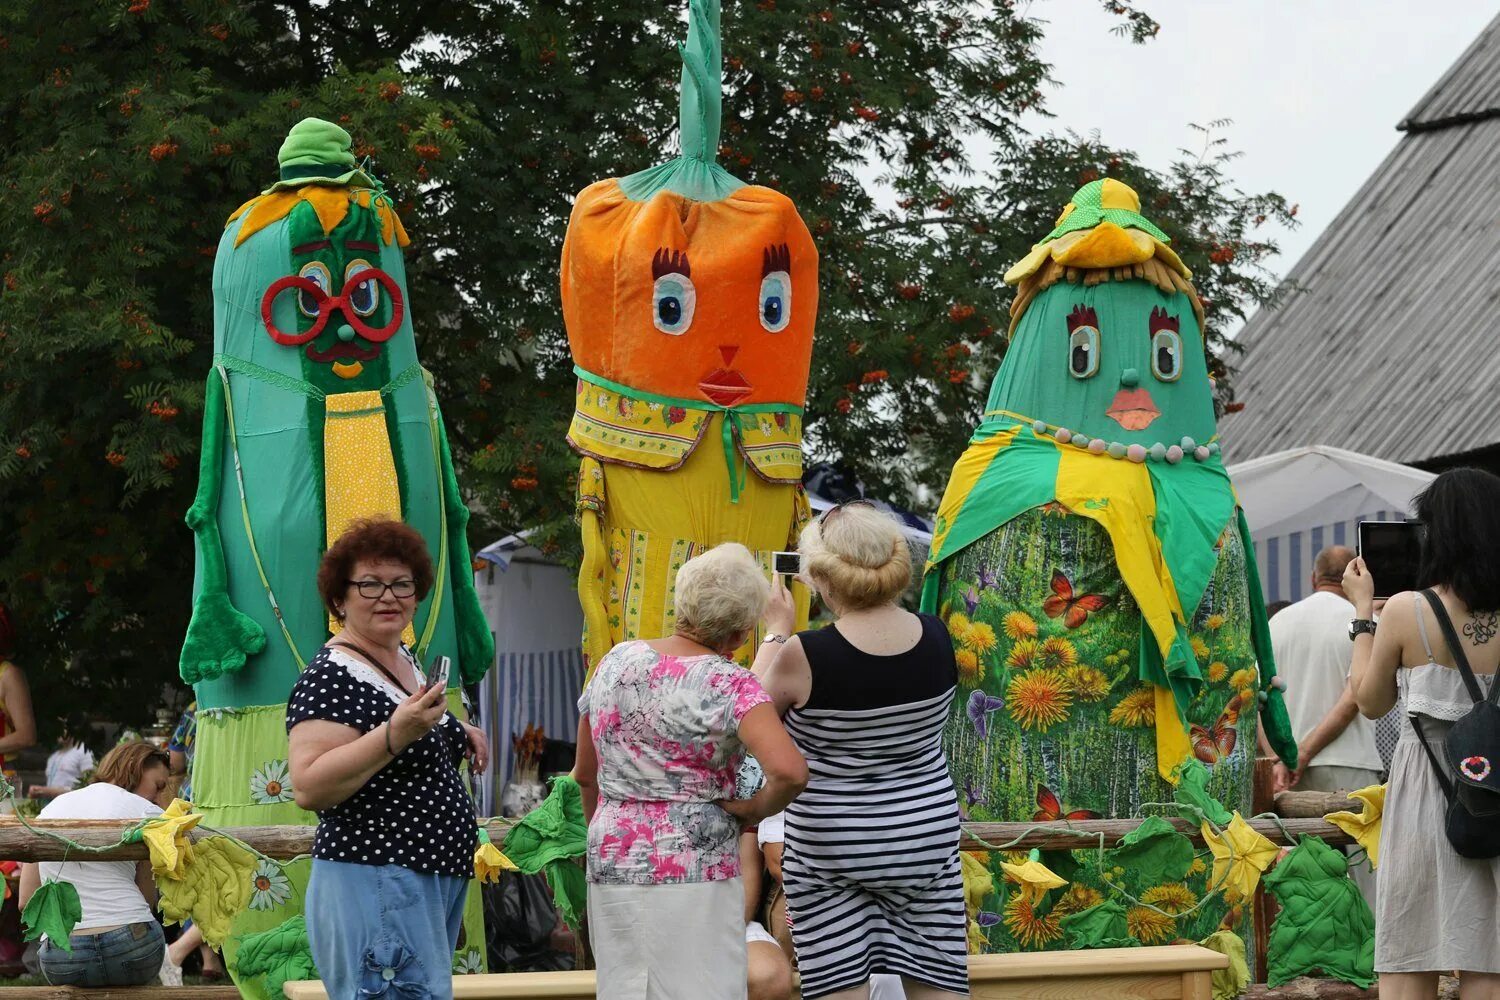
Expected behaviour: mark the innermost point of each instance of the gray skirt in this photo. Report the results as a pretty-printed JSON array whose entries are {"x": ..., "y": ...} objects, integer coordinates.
[{"x": 681, "y": 941}]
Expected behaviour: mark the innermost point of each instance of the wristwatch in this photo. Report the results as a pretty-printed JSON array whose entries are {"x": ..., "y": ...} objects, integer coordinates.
[
  {"x": 1360, "y": 626},
  {"x": 774, "y": 637}
]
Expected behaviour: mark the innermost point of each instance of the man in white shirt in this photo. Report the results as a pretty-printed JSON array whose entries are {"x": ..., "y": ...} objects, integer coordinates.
[{"x": 1310, "y": 639}]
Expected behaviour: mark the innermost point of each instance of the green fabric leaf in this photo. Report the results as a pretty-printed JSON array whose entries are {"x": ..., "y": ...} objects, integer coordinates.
[
  {"x": 1154, "y": 852},
  {"x": 1192, "y": 797},
  {"x": 1324, "y": 925},
  {"x": 54, "y": 910},
  {"x": 280, "y": 954},
  {"x": 549, "y": 839},
  {"x": 1100, "y": 926},
  {"x": 1230, "y": 982}
]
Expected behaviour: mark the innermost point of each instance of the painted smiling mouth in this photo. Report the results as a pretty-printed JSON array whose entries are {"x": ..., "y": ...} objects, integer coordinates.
[
  {"x": 342, "y": 352},
  {"x": 1133, "y": 409}
]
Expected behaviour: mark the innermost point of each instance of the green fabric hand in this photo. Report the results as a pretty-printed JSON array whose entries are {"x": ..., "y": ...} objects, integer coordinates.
[
  {"x": 1101, "y": 926},
  {"x": 548, "y": 839},
  {"x": 280, "y": 954},
  {"x": 1154, "y": 852},
  {"x": 219, "y": 639},
  {"x": 1324, "y": 924},
  {"x": 54, "y": 910},
  {"x": 1193, "y": 800}
]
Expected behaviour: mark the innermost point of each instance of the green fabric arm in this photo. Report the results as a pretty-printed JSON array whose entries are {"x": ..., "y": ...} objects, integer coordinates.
[
  {"x": 1273, "y": 713},
  {"x": 476, "y": 643},
  {"x": 219, "y": 636}
]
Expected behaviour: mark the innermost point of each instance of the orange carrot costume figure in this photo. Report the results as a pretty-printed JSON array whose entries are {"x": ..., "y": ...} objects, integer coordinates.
[{"x": 689, "y": 298}]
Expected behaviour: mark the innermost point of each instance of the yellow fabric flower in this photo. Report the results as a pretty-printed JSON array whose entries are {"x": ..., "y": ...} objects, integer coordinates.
[
  {"x": 490, "y": 861},
  {"x": 166, "y": 837},
  {"x": 1034, "y": 878},
  {"x": 1036, "y": 700},
  {"x": 1197, "y": 867},
  {"x": 970, "y": 670},
  {"x": 1023, "y": 654},
  {"x": 1077, "y": 899},
  {"x": 1240, "y": 855},
  {"x": 1058, "y": 653},
  {"x": 1019, "y": 625},
  {"x": 978, "y": 882},
  {"x": 1147, "y": 925},
  {"x": 958, "y": 626},
  {"x": 1365, "y": 826},
  {"x": 1244, "y": 678},
  {"x": 1174, "y": 897},
  {"x": 1138, "y": 708},
  {"x": 214, "y": 891},
  {"x": 1200, "y": 648},
  {"x": 980, "y": 637},
  {"x": 1217, "y": 671},
  {"x": 1215, "y": 622}
]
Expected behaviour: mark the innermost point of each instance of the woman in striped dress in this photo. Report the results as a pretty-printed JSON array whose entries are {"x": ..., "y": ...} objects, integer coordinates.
[{"x": 872, "y": 876}]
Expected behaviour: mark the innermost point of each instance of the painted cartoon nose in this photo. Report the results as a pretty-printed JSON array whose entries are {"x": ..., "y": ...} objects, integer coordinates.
[
  {"x": 728, "y": 352},
  {"x": 346, "y": 334},
  {"x": 1130, "y": 378}
]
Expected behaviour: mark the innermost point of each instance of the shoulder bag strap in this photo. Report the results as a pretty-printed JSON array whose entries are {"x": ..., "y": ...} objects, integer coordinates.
[
  {"x": 1460, "y": 658},
  {"x": 341, "y": 641}
]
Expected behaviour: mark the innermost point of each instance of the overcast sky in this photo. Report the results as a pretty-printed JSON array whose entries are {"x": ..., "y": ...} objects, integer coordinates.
[{"x": 1314, "y": 87}]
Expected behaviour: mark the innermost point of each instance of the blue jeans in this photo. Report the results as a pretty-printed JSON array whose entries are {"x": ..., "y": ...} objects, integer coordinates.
[
  {"x": 383, "y": 931},
  {"x": 126, "y": 956}
]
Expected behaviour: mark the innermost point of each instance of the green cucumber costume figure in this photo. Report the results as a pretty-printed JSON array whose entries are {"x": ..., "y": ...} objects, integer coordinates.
[
  {"x": 1097, "y": 577},
  {"x": 316, "y": 413}
]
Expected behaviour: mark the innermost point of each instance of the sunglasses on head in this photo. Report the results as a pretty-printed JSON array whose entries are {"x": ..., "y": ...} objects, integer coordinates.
[{"x": 831, "y": 511}]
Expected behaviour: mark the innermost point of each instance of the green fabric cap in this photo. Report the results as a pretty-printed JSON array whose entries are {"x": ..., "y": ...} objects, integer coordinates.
[
  {"x": 318, "y": 152},
  {"x": 1086, "y": 210},
  {"x": 549, "y": 839}
]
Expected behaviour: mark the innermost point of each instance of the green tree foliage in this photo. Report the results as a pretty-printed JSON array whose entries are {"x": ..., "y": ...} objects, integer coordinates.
[{"x": 130, "y": 129}]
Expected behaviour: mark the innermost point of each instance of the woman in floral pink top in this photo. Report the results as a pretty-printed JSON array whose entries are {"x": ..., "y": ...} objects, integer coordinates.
[{"x": 664, "y": 727}]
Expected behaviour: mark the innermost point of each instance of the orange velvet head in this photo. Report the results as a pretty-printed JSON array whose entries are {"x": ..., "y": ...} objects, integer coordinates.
[{"x": 711, "y": 300}]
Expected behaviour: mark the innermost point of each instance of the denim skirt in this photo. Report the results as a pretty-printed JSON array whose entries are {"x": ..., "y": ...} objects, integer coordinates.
[
  {"x": 383, "y": 930},
  {"x": 126, "y": 956}
]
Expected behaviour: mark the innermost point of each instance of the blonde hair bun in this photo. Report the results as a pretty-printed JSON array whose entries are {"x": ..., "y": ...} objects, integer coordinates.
[{"x": 858, "y": 555}]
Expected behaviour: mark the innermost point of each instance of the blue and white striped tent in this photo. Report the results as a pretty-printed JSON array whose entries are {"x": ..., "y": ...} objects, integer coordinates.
[
  {"x": 532, "y": 606},
  {"x": 1301, "y": 501}
]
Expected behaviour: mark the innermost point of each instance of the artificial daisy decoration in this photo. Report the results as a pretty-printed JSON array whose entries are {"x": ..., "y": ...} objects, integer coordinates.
[
  {"x": 269, "y": 888},
  {"x": 271, "y": 783},
  {"x": 468, "y": 962}
]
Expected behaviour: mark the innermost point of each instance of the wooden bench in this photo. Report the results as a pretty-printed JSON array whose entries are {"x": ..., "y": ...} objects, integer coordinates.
[{"x": 1171, "y": 972}]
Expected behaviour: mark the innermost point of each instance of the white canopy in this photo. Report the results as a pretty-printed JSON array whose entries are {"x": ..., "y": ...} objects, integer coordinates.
[{"x": 1299, "y": 501}]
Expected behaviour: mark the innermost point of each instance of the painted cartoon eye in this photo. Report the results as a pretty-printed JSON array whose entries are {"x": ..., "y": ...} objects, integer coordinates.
[
  {"x": 672, "y": 302},
  {"x": 776, "y": 301},
  {"x": 317, "y": 272},
  {"x": 1166, "y": 355},
  {"x": 363, "y": 296},
  {"x": 1083, "y": 351}
]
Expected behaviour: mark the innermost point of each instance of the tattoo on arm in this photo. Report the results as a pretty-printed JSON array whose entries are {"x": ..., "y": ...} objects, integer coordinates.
[{"x": 1482, "y": 629}]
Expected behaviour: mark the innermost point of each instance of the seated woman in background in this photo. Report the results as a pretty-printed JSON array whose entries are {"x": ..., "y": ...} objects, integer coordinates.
[
  {"x": 118, "y": 942},
  {"x": 664, "y": 725},
  {"x": 871, "y": 868}
]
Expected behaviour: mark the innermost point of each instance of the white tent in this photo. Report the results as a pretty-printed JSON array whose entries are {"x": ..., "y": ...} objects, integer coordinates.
[
  {"x": 531, "y": 603},
  {"x": 1298, "y": 502}
]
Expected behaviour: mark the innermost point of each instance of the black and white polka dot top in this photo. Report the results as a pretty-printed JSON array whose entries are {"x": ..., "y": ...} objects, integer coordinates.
[{"x": 414, "y": 812}]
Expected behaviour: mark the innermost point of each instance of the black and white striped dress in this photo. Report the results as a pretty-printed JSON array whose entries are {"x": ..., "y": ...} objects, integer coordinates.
[{"x": 873, "y": 881}]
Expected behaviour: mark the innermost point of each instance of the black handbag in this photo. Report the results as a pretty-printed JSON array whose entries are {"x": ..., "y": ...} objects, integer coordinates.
[{"x": 1471, "y": 781}]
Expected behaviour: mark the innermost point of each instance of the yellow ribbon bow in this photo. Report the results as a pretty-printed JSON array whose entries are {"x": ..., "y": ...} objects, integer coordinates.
[
  {"x": 1364, "y": 827},
  {"x": 166, "y": 837},
  {"x": 1240, "y": 855}
]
